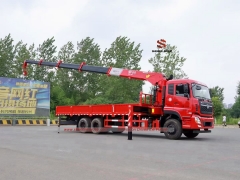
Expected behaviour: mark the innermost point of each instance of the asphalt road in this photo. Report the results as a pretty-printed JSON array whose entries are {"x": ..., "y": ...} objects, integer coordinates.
[{"x": 39, "y": 152}]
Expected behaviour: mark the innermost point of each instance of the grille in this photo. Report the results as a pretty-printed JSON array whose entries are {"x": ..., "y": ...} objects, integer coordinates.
[
  {"x": 207, "y": 124},
  {"x": 206, "y": 108}
]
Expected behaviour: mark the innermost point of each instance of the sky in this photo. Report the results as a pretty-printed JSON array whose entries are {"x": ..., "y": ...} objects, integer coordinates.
[{"x": 206, "y": 32}]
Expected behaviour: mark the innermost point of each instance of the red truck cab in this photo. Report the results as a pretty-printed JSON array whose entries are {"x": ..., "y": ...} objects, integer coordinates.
[{"x": 190, "y": 101}]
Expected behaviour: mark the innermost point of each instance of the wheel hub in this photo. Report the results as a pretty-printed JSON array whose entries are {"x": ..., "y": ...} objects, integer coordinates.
[
  {"x": 82, "y": 125},
  {"x": 96, "y": 126},
  {"x": 171, "y": 129}
]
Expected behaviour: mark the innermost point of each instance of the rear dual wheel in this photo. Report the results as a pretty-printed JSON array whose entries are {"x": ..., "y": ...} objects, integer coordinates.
[
  {"x": 97, "y": 126},
  {"x": 84, "y": 125}
]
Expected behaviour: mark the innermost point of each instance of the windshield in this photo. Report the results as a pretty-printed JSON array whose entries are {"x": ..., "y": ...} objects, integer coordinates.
[{"x": 200, "y": 91}]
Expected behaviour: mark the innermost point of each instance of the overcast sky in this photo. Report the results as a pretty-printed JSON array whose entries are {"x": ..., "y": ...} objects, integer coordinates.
[{"x": 206, "y": 32}]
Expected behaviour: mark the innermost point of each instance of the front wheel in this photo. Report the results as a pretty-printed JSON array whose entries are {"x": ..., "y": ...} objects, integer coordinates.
[
  {"x": 173, "y": 129},
  {"x": 190, "y": 134}
]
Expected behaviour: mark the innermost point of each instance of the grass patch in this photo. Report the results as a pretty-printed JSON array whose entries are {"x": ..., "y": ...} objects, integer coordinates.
[{"x": 230, "y": 121}]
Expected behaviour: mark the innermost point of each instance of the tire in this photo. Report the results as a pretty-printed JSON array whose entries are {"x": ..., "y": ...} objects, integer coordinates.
[
  {"x": 190, "y": 134},
  {"x": 176, "y": 129},
  {"x": 97, "y": 126},
  {"x": 84, "y": 125}
]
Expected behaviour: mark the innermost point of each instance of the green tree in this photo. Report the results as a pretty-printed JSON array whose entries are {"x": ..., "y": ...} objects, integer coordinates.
[
  {"x": 217, "y": 92},
  {"x": 45, "y": 51},
  {"x": 59, "y": 98},
  {"x": 235, "y": 110},
  {"x": 169, "y": 63},
  {"x": 64, "y": 77},
  {"x": 7, "y": 53},
  {"x": 122, "y": 54},
  {"x": 218, "y": 106},
  {"x": 86, "y": 84},
  {"x": 90, "y": 53},
  {"x": 227, "y": 112},
  {"x": 22, "y": 53}
]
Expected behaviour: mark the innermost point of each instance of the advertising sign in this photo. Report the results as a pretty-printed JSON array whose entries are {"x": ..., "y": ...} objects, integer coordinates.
[{"x": 20, "y": 97}]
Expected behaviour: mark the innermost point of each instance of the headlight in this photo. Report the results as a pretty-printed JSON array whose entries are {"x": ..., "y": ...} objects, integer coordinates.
[{"x": 197, "y": 120}]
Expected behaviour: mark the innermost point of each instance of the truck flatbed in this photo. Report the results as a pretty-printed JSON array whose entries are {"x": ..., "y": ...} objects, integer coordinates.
[{"x": 105, "y": 109}]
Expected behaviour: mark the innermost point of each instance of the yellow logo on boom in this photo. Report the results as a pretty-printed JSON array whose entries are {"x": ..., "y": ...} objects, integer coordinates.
[{"x": 147, "y": 76}]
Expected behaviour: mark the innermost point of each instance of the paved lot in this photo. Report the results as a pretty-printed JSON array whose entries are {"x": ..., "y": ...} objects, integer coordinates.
[{"x": 28, "y": 153}]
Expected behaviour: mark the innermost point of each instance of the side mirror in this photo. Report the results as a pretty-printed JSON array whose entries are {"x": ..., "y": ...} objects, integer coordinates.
[{"x": 198, "y": 87}]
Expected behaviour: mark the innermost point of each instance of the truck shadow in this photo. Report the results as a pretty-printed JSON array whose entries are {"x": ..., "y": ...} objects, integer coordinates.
[
  {"x": 141, "y": 135},
  {"x": 156, "y": 136}
]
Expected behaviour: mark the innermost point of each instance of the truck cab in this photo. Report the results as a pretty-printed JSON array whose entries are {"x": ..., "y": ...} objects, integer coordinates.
[{"x": 189, "y": 101}]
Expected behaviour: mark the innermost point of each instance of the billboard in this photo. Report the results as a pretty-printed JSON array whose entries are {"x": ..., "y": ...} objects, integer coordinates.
[{"x": 24, "y": 98}]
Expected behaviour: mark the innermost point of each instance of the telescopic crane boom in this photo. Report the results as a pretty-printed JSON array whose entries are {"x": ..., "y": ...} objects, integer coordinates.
[{"x": 152, "y": 77}]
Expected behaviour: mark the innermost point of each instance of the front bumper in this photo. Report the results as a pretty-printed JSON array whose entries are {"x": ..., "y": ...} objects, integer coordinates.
[
  {"x": 202, "y": 122},
  {"x": 198, "y": 131}
]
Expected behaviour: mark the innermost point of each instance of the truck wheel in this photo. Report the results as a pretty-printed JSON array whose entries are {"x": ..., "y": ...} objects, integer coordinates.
[
  {"x": 97, "y": 126},
  {"x": 190, "y": 134},
  {"x": 173, "y": 129},
  {"x": 84, "y": 125}
]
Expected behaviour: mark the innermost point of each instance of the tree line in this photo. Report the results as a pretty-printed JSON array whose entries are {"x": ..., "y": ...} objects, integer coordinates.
[
  {"x": 233, "y": 113},
  {"x": 70, "y": 87}
]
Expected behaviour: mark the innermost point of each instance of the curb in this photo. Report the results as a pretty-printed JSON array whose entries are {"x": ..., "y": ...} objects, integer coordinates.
[{"x": 19, "y": 122}]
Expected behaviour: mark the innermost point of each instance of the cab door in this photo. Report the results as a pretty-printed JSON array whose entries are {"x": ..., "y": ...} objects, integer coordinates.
[
  {"x": 169, "y": 98},
  {"x": 181, "y": 100}
]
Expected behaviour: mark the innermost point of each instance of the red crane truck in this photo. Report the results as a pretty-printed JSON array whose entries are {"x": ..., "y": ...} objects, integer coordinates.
[{"x": 176, "y": 106}]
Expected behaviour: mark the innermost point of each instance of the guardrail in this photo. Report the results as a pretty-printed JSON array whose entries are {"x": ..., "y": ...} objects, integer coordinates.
[{"x": 19, "y": 122}]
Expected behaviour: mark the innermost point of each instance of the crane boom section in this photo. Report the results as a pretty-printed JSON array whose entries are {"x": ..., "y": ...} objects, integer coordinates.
[{"x": 151, "y": 77}]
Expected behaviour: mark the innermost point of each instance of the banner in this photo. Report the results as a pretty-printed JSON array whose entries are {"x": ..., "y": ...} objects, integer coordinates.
[{"x": 20, "y": 97}]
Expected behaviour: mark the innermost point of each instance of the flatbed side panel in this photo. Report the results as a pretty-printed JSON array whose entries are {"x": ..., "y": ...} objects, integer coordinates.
[
  {"x": 94, "y": 109},
  {"x": 102, "y": 109},
  {"x": 121, "y": 109},
  {"x": 85, "y": 109},
  {"x": 90, "y": 109},
  {"x": 63, "y": 110}
]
